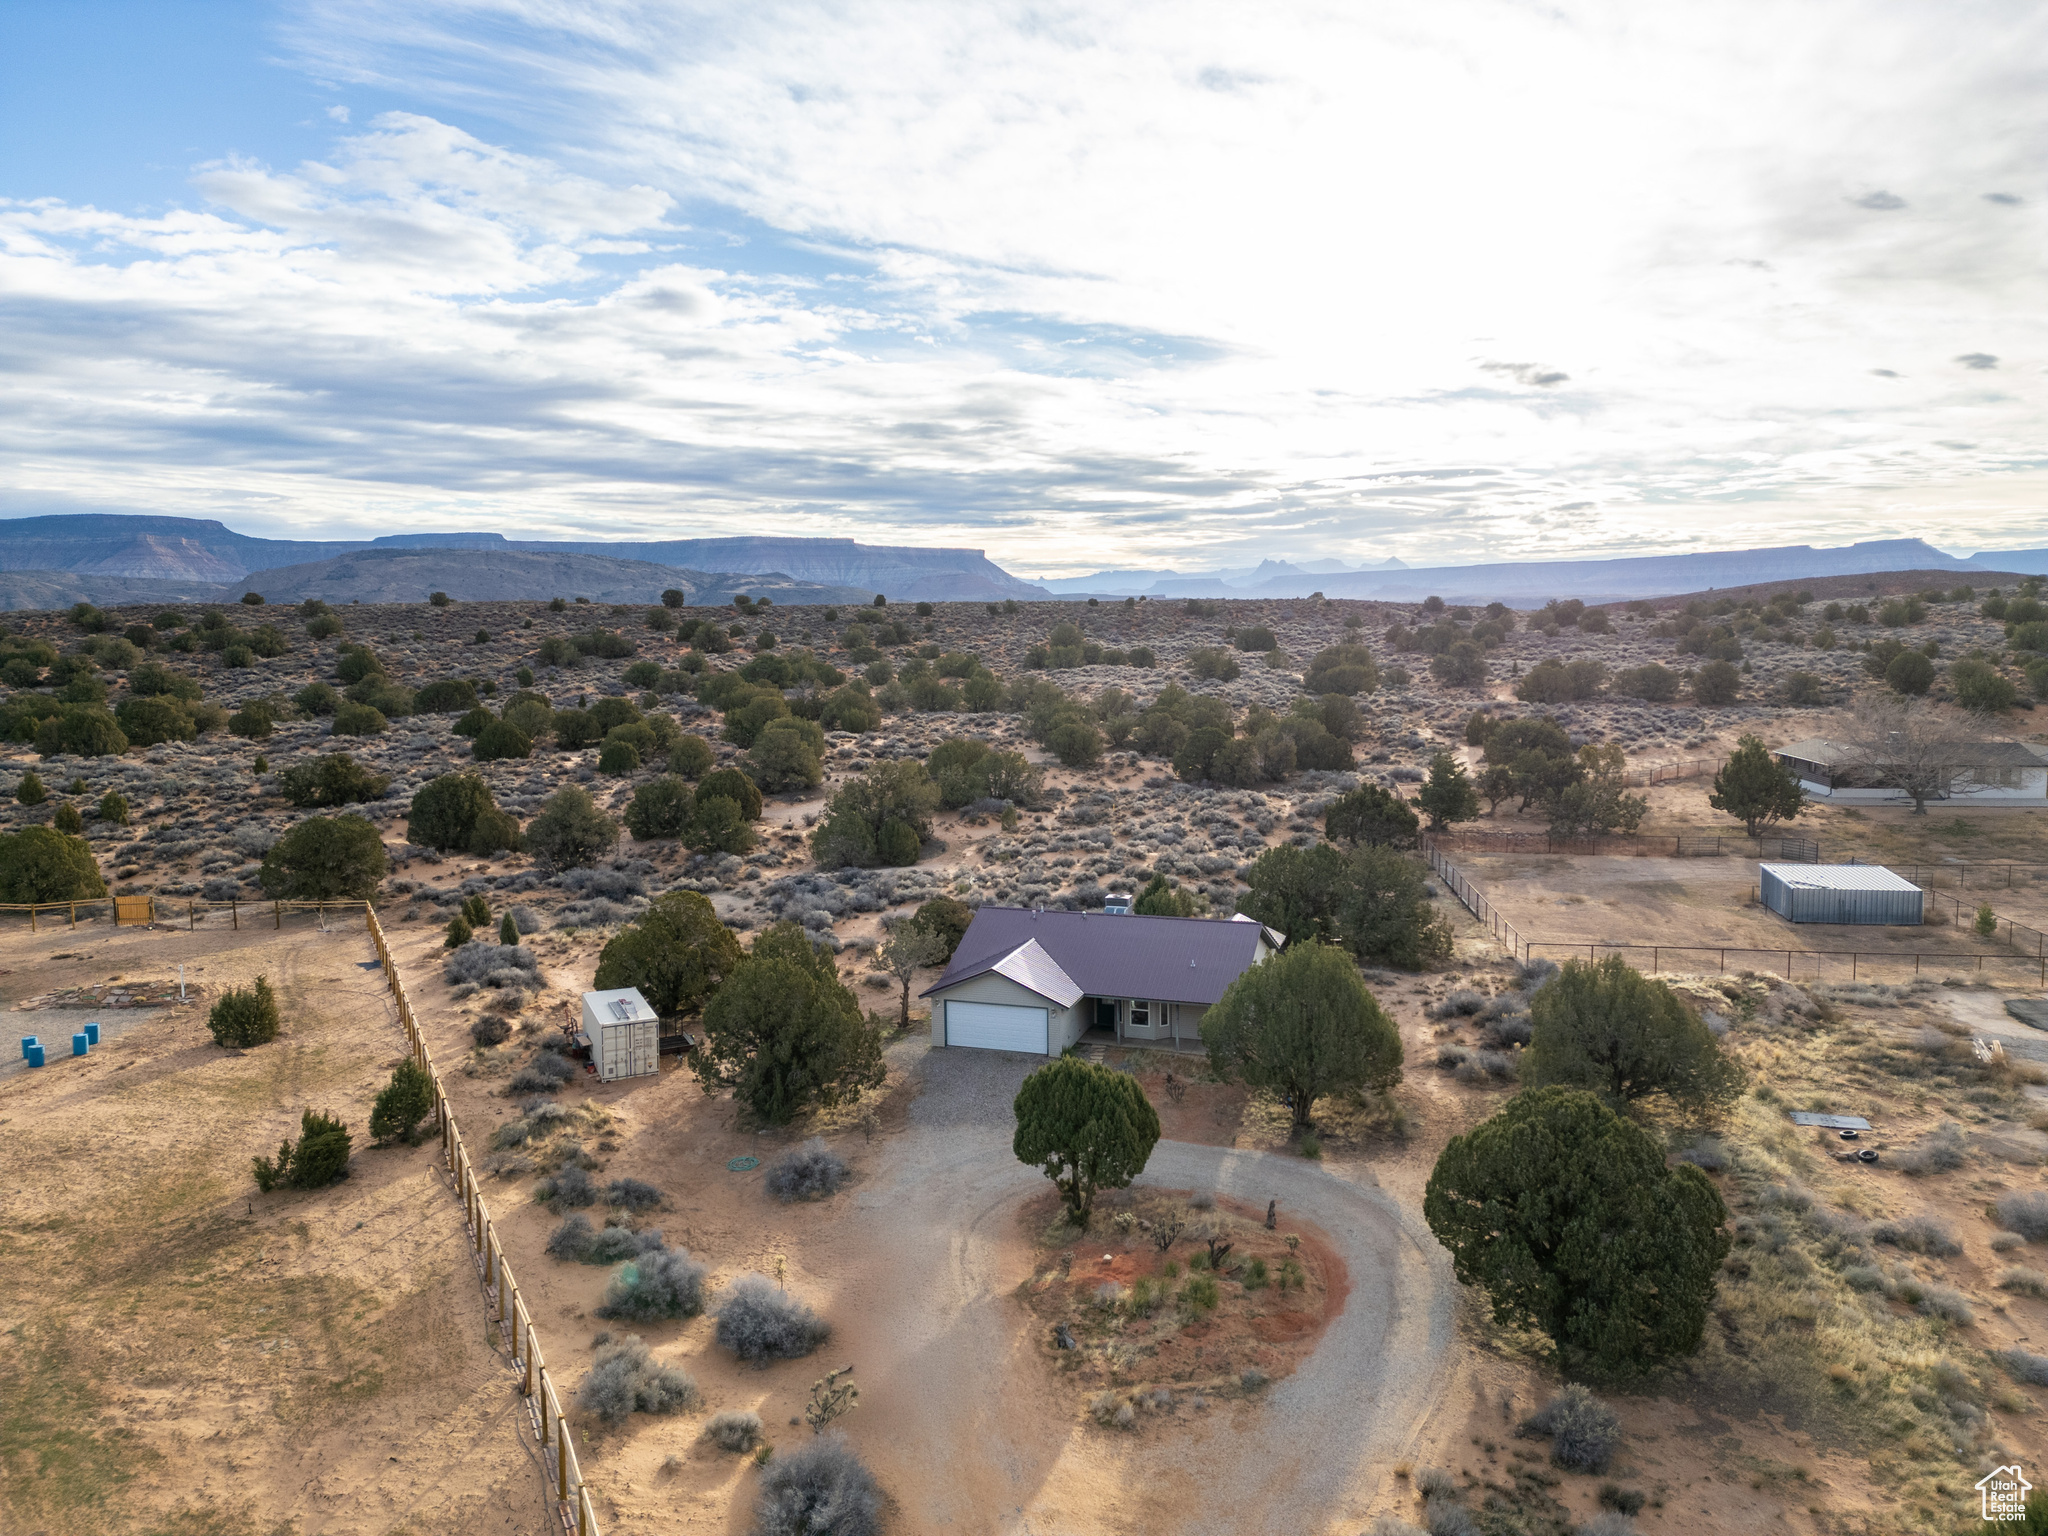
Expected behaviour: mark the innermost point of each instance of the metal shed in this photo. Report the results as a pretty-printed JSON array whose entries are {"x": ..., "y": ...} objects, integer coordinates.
[
  {"x": 1839, "y": 893},
  {"x": 623, "y": 1032}
]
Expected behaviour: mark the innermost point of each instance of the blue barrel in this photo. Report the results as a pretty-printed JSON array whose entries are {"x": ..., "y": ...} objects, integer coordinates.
[
  {"x": 35, "y": 1055},
  {"x": 78, "y": 1045},
  {"x": 92, "y": 1034},
  {"x": 28, "y": 1043}
]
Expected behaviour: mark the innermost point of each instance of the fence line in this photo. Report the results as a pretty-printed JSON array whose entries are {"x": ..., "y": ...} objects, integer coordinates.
[
  {"x": 1524, "y": 948},
  {"x": 1474, "y": 900},
  {"x": 501, "y": 1290},
  {"x": 156, "y": 909},
  {"x": 1988, "y": 872},
  {"x": 2016, "y": 933},
  {"x": 1664, "y": 773},
  {"x": 1800, "y": 850},
  {"x": 1862, "y": 958}
]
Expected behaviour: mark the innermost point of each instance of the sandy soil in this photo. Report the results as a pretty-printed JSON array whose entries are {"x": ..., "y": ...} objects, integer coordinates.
[
  {"x": 1683, "y": 904},
  {"x": 170, "y": 1339}
]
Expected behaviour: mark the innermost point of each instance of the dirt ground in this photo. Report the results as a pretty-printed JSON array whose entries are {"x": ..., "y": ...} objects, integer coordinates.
[
  {"x": 181, "y": 1353},
  {"x": 372, "y": 1343},
  {"x": 1686, "y": 904}
]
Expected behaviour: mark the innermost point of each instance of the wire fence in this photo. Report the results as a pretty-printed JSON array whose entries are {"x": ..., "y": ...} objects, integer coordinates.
[
  {"x": 1857, "y": 963},
  {"x": 139, "y": 911},
  {"x": 1694, "y": 845},
  {"x": 1664, "y": 773},
  {"x": 1999, "y": 875},
  {"x": 501, "y": 1290}
]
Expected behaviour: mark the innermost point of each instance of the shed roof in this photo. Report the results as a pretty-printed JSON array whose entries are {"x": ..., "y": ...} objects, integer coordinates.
[
  {"x": 1171, "y": 959},
  {"x": 1840, "y": 877}
]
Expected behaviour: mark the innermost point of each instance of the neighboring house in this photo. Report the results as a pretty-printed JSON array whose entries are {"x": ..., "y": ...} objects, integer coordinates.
[
  {"x": 1038, "y": 981},
  {"x": 1991, "y": 773}
]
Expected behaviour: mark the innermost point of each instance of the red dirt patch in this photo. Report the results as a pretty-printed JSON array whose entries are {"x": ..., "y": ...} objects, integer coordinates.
[{"x": 1154, "y": 1332}]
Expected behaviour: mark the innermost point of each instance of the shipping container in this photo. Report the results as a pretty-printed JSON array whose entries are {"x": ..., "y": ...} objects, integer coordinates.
[
  {"x": 1839, "y": 893},
  {"x": 624, "y": 1034}
]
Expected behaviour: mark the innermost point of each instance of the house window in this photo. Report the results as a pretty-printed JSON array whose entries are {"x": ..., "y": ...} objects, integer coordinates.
[
  {"x": 1994, "y": 778},
  {"x": 1141, "y": 1014}
]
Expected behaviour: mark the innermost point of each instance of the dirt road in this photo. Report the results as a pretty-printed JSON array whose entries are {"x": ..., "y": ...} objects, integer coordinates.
[{"x": 979, "y": 1438}]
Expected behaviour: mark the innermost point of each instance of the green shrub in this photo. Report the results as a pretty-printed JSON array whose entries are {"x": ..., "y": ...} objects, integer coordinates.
[
  {"x": 618, "y": 758},
  {"x": 318, "y": 1158},
  {"x": 403, "y": 1102},
  {"x": 30, "y": 791},
  {"x": 570, "y": 830},
  {"x": 500, "y": 740},
  {"x": 43, "y": 864},
  {"x": 445, "y": 697},
  {"x": 113, "y": 807},
  {"x": 71, "y": 824},
  {"x": 242, "y": 1018},
  {"x": 326, "y": 858},
  {"x": 332, "y": 779},
  {"x": 353, "y": 719}
]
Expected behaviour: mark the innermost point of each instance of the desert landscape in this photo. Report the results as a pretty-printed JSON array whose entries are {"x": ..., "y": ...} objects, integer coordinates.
[{"x": 1262, "y": 1320}]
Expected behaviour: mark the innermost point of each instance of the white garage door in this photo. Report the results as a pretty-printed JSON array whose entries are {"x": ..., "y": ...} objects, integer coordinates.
[{"x": 996, "y": 1027}]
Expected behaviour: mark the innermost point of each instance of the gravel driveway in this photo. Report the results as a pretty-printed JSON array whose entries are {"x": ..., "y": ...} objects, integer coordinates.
[{"x": 981, "y": 1438}]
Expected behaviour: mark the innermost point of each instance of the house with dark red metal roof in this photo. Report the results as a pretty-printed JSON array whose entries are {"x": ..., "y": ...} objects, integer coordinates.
[{"x": 1038, "y": 982}]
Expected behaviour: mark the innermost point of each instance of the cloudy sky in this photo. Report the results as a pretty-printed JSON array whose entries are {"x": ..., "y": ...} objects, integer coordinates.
[{"x": 1124, "y": 284}]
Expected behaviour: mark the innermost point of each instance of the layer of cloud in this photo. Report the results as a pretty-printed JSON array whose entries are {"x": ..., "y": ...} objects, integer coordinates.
[{"x": 1083, "y": 285}]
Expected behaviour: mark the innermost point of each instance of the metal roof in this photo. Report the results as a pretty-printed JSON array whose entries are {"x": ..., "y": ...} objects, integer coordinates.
[
  {"x": 1170, "y": 959},
  {"x": 1840, "y": 877},
  {"x": 1830, "y": 1122},
  {"x": 1980, "y": 754},
  {"x": 1031, "y": 967}
]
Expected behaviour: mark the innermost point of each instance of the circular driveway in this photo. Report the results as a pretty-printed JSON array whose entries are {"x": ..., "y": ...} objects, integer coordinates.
[{"x": 974, "y": 1432}]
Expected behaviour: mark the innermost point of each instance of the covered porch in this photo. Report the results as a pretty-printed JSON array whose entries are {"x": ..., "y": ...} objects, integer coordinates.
[{"x": 1154, "y": 1023}]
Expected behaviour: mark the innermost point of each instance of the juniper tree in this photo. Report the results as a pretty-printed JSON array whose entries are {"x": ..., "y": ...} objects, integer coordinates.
[
  {"x": 1088, "y": 1127},
  {"x": 1304, "y": 1026},
  {"x": 1566, "y": 1216}
]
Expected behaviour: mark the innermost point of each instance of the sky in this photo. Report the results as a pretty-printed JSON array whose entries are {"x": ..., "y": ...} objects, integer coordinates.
[{"x": 1134, "y": 285}]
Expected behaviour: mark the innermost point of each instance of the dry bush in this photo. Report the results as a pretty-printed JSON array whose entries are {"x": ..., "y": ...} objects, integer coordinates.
[
  {"x": 809, "y": 1172},
  {"x": 2028, "y": 1282},
  {"x": 1948, "y": 1304},
  {"x": 569, "y": 1187},
  {"x": 1584, "y": 1432},
  {"x": 1943, "y": 1151},
  {"x": 633, "y": 1195},
  {"x": 625, "y": 1378},
  {"x": 1918, "y": 1234},
  {"x": 819, "y": 1489},
  {"x": 2023, "y": 1366},
  {"x": 2025, "y": 1212},
  {"x": 734, "y": 1431},
  {"x": 758, "y": 1322},
  {"x": 666, "y": 1283}
]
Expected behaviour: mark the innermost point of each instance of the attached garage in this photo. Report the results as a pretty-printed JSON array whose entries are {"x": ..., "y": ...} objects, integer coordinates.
[{"x": 995, "y": 1026}]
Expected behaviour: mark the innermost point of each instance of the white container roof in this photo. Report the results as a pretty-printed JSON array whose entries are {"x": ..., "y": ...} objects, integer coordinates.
[
  {"x": 1840, "y": 877},
  {"x": 623, "y": 1006}
]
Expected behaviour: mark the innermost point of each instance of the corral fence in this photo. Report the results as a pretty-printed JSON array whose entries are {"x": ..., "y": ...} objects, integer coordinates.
[
  {"x": 1692, "y": 845},
  {"x": 1982, "y": 876},
  {"x": 1665, "y": 773},
  {"x": 141, "y": 911},
  {"x": 501, "y": 1290},
  {"x": 1849, "y": 964}
]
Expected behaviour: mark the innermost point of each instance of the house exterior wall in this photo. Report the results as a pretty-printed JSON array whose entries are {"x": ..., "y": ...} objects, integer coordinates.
[
  {"x": 1063, "y": 1025},
  {"x": 2019, "y": 786}
]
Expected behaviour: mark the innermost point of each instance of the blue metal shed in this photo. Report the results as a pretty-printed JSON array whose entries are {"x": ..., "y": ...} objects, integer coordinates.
[{"x": 1839, "y": 893}]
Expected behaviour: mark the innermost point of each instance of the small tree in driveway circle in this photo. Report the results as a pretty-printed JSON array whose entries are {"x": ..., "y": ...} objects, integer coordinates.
[{"x": 1088, "y": 1127}]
